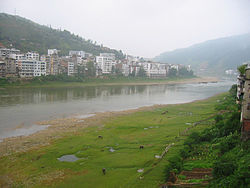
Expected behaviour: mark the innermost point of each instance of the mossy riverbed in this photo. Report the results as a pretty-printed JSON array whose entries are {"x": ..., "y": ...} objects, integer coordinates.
[{"x": 127, "y": 165}]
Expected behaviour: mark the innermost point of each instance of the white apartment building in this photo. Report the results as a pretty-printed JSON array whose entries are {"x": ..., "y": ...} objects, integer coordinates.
[
  {"x": 156, "y": 70},
  {"x": 125, "y": 69},
  {"x": 32, "y": 56},
  {"x": 131, "y": 58},
  {"x": 43, "y": 58},
  {"x": 175, "y": 67},
  {"x": 108, "y": 55},
  {"x": 31, "y": 68},
  {"x": 5, "y": 52},
  {"x": 71, "y": 68},
  {"x": 17, "y": 56},
  {"x": 105, "y": 62},
  {"x": 77, "y": 53},
  {"x": 53, "y": 52}
]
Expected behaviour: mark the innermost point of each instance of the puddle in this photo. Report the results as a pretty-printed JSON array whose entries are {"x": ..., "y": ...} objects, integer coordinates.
[
  {"x": 140, "y": 170},
  {"x": 145, "y": 128},
  {"x": 68, "y": 158},
  {"x": 23, "y": 131},
  {"x": 84, "y": 116},
  {"x": 111, "y": 149},
  {"x": 157, "y": 156},
  {"x": 188, "y": 123}
]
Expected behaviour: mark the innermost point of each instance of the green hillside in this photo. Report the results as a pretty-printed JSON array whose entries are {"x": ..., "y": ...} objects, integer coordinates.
[
  {"x": 219, "y": 54},
  {"x": 26, "y": 35}
]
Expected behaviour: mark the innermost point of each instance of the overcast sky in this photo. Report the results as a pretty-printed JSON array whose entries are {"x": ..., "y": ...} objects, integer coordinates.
[{"x": 139, "y": 27}]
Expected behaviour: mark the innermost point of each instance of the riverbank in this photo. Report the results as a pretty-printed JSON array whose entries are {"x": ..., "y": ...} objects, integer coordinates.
[
  {"x": 111, "y": 82},
  {"x": 153, "y": 127}
]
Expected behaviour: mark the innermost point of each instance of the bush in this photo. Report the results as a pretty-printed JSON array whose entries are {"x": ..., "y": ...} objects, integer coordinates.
[
  {"x": 185, "y": 152},
  {"x": 223, "y": 167},
  {"x": 229, "y": 142},
  {"x": 176, "y": 163},
  {"x": 209, "y": 134},
  {"x": 193, "y": 138}
]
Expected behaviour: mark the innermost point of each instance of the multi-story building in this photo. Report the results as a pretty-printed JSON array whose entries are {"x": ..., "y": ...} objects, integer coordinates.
[
  {"x": 71, "y": 68},
  {"x": 88, "y": 55},
  {"x": 63, "y": 66},
  {"x": 155, "y": 70},
  {"x": 105, "y": 62},
  {"x": 77, "y": 53},
  {"x": 19, "y": 56},
  {"x": 8, "y": 67},
  {"x": 5, "y": 52},
  {"x": 11, "y": 69},
  {"x": 2, "y": 68},
  {"x": 32, "y": 56},
  {"x": 125, "y": 69},
  {"x": 31, "y": 68},
  {"x": 52, "y": 64},
  {"x": 53, "y": 52}
]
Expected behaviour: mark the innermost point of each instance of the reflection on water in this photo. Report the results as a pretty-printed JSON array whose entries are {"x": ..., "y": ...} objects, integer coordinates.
[
  {"x": 24, "y": 107},
  {"x": 68, "y": 158},
  {"x": 41, "y": 95}
]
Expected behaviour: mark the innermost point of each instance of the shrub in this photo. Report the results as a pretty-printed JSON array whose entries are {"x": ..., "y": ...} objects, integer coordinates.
[
  {"x": 229, "y": 142},
  {"x": 223, "y": 167},
  {"x": 176, "y": 163},
  {"x": 185, "y": 152}
]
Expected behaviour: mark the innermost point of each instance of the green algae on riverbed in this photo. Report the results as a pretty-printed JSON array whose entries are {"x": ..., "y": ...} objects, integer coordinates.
[
  {"x": 107, "y": 82},
  {"x": 125, "y": 134}
]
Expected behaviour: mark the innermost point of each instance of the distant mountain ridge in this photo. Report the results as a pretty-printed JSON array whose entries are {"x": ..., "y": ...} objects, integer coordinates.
[
  {"x": 219, "y": 54},
  {"x": 26, "y": 35}
]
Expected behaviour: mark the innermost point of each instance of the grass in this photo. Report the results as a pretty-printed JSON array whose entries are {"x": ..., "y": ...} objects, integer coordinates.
[
  {"x": 40, "y": 168},
  {"x": 190, "y": 164},
  {"x": 88, "y": 82}
]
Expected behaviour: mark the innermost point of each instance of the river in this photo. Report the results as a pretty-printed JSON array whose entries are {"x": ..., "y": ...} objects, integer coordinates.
[{"x": 20, "y": 109}]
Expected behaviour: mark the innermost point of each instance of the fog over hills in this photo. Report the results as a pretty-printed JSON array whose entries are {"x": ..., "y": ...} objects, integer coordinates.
[{"x": 213, "y": 55}]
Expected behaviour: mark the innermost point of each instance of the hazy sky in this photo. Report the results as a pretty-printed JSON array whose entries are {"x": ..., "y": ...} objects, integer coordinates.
[{"x": 139, "y": 27}]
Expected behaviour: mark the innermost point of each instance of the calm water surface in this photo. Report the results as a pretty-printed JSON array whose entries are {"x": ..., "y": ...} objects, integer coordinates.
[{"x": 20, "y": 109}]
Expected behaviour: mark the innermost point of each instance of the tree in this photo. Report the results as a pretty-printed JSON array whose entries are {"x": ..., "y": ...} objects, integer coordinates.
[
  {"x": 242, "y": 69},
  {"x": 113, "y": 69},
  {"x": 132, "y": 74},
  {"x": 118, "y": 72},
  {"x": 172, "y": 72},
  {"x": 80, "y": 71},
  {"x": 142, "y": 72},
  {"x": 183, "y": 71},
  {"x": 91, "y": 70}
]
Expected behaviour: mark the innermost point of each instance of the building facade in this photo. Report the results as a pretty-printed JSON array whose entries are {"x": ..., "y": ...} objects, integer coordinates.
[
  {"x": 105, "y": 62},
  {"x": 77, "y": 53},
  {"x": 243, "y": 97},
  {"x": 31, "y": 68},
  {"x": 32, "y": 56}
]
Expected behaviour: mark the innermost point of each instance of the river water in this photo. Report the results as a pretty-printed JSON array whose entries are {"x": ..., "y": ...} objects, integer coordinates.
[{"x": 20, "y": 109}]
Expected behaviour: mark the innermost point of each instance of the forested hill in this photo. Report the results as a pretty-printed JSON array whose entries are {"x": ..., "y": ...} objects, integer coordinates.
[
  {"x": 218, "y": 54},
  {"x": 26, "y": 35}
]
